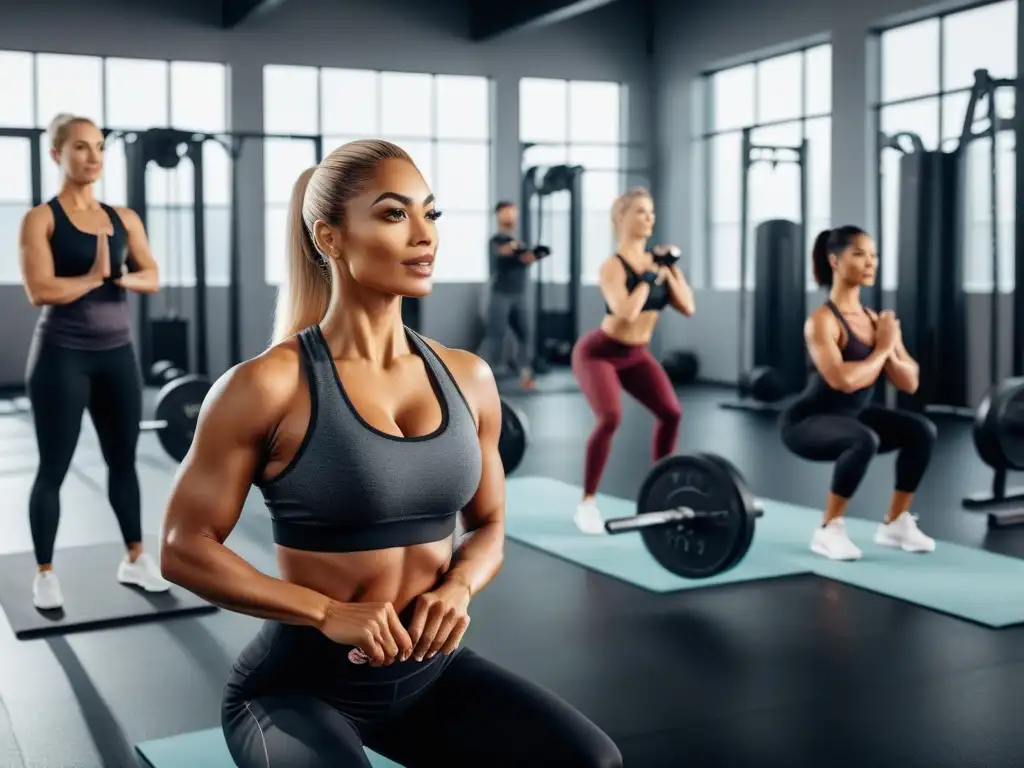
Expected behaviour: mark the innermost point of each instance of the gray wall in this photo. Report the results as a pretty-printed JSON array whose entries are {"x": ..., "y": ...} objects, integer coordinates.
[
  {"x": 404, "y": 35},
  {"x": 691, "y": 38}
]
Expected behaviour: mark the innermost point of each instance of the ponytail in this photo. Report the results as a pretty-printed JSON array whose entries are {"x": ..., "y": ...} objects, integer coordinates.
[
  {"x": 831, "y": 242},
  {"x": 819, "y": 259},
  {"x": 303, "y": 300}
]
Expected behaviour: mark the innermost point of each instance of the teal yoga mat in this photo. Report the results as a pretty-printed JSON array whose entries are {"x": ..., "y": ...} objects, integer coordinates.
[
  {"x": 207, "y": 749},
  {"x": 968, "y": 583},
  {"x": 539, "y": 513}
]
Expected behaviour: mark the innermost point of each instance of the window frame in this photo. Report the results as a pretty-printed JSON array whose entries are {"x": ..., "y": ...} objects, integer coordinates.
[
  {"x": 167, "y": 279},
  {"x": 706, "y": 140},
  {"x": 878, "y": 105},
  {"x": 623, "y": 147},
  {"x": 433, "y": 139}
]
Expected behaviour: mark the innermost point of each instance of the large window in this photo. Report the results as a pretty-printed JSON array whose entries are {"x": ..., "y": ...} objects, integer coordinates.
[
  {"x": 927, "y": 70},
  {"x": 577, "y": 123},
  {"x": 123, "y": 94},
  {"x": 784, "y": 100},
  {"x": 442, "y": 121}
]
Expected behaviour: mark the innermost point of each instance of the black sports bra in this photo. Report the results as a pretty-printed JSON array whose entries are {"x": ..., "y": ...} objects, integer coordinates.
[{"x": 657, "y": 299}]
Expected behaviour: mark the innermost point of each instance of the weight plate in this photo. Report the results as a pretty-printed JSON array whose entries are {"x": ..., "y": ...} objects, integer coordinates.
[
  {"x": 696, "y": 549},
  {"x": 999, "y": 425},
  {"x": 1011, "y": 424},
  {"x": 178, "y": 404},
  {"x": 749, "y": 502},
  {"x": 514, "y": 437}
]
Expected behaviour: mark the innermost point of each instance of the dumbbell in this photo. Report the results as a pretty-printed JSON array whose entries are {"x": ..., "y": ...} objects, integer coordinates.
[
  {"x": 164, "y": 372},
  {"x": 695, "y": 514},
  {"x": 539, "y": 251}
]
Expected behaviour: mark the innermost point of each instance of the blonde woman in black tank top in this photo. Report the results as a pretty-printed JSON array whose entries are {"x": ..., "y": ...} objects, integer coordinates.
[{"x": 79, "y": 258}]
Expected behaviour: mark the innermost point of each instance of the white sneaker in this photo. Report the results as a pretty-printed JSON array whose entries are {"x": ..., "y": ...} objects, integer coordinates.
[
  {"x": 46, "y": 594},
  {"x": 588, "y": 518},
  {"x": 832, "y": 542},
  {"x": 904, "y": 534},
  {"x": 142, "y": 573}
]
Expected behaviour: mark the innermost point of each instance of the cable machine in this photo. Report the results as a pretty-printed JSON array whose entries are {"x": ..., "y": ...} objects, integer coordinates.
[
  {"x": 167, "y": 147},
  {"x": 933, "y": 239},
  {"x": 780, "y": 297},
  {"x": 985, "y": 90},
  {"x": 557, "y": 328}
]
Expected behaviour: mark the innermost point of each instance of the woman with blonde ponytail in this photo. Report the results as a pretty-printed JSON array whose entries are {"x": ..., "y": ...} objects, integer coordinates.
[
  {"x": 302, "y": 301},
  {"x": 637, "y": 284},
  {"x": 366, "y": 440},
  {"x": 79, "y": 259}
]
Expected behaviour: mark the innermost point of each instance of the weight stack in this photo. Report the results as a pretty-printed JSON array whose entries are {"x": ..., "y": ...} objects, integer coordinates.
[
  {"x": 930, "y": 300},
  {"x": 168, "y": 340},
  {"x": 780, "y": 301}
]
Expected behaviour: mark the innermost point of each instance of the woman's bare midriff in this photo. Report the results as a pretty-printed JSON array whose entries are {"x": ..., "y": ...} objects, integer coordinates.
[
  {"x": 397, "y": 576},
  {"x": 631, "y": 332}
]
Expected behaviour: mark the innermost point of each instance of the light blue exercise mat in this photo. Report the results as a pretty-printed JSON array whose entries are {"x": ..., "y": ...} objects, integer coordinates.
[
  {"x": 539, "y": 514},
  {"x": 968, "y": 583},
  {"x": 207, "y": 749}
]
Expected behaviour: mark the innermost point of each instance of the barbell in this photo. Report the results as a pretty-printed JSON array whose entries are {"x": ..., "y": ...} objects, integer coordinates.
[
  {"x": 180, "y": 400},
  {"x": 177, "y": 408},
  {"x": 695, "y": 514}
]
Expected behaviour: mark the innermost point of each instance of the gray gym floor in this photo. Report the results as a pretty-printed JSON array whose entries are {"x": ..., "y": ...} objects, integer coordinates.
[{"x": 787, "y": 672}]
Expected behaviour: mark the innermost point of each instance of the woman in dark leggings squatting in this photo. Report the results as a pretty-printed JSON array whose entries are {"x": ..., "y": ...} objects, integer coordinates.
[
  {"x": 367, "y": 441},
  {"x": 79, "y": 257},
  {"x": 637, "y": 284},
  {"x": 833, "y": 419}
]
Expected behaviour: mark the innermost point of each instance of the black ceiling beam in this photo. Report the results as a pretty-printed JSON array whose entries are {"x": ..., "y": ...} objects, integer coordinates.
[
  {"x": 234, "y": 12},
  {"x": 489, "y": 19}
]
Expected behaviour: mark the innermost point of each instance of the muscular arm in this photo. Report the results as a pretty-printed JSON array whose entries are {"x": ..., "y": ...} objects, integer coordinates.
[
  {"x": 680, "y": 293},
  {"x": 209, "y": 490},
  {"x": 902, "y": 369},
  {"x": 623, "y": 304},
  {"x": 482, "y": 550},
  {"x": 37, "y": 272},
  {"x": 821, "y": 332},
  {"x": 145, "y": 278}
]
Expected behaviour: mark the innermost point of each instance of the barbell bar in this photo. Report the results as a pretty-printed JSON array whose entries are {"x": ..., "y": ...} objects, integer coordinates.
[
  {"x": 180, "y": 400},
  {"x": 667, "y": 517},
  {"x": 695, "y": 515}
]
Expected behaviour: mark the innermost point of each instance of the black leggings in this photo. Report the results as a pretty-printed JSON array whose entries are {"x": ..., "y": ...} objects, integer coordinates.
[
  {"x": 295, "y": 699},
  {"x": 852, "y": 440},
  {"x": 62, "y": 383}
]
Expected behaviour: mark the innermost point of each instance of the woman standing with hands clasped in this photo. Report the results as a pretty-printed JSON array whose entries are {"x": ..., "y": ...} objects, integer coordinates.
[
  {"x": 833, "y": 419},
  {"x": 636, "y": 284},
  {"x": 79, "y": 257}
]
